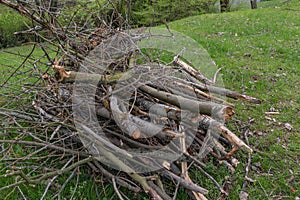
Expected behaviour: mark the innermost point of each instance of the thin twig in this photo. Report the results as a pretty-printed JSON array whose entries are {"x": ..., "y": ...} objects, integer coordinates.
[
  {"x": 22, "y": 194},
  {"x": 248, "y": 162},
  {"x": 116, "y": 188},
  {"x": 53, "y": 179},
  {"x": 21, "y": 65},
  {"x": 211, "y": 178},
  {"x": 46, "y": 145},
  {"x": 216, "y": 74},
  {"x": 38, "y": 179}
]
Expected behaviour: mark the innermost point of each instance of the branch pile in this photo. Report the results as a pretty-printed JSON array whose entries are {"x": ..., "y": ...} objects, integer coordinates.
[
  {"x": 150, "y": 120},
  {"x": 143, "y": 124}
]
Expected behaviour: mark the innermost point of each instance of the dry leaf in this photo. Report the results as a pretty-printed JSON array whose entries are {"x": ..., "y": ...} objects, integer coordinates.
[
  {"x": 234, "y": 162},
  {"x": 288, "y": 126},
  {"x": 259, "y": 133},
  {"x": 243, "y": 195}
]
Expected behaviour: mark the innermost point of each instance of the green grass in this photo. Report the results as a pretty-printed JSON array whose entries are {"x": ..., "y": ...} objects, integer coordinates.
[
  {"x": 260, "y": 52},
  {"x": 11, "y": 22},
  {"x": 10, "y": 60},
  {"x": 23, "y": 74}
]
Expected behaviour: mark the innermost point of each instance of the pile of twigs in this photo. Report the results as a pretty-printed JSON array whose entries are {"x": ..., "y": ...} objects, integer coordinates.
[
  {"x": 109, "y": 106},
  {"x": 140, "y": 119}
]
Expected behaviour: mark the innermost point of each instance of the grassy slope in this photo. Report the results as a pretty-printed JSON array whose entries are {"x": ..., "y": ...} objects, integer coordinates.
[
  {"x": 271, "y": 37},
  {"x": 260, "y": 52}
]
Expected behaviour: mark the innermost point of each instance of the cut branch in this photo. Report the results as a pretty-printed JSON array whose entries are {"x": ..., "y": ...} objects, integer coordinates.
[
  {"x": 192, "y": 71},
  {"x": 70, "y": 76},
  {"x": 227, "y": 93},
  {"x": 219, "y": 111},
  {"x": 220, "y": 128}
]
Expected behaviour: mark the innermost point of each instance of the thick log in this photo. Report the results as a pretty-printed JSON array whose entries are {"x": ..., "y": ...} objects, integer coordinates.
[
  {"x": 205, "y": 122},
  {"x": 221, "y": 112},
  {"x": 122, "y": 118},
  {"x": 160, "y": 109},
  {"x": 132, "y": 125}
]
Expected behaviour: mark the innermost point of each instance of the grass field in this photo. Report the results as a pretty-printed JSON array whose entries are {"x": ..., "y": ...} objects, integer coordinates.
[{"x": 260, "y": 52}]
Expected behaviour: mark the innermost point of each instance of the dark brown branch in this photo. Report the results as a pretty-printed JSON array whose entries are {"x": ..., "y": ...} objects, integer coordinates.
[
  {"x": 47, "y": 145},
  {"x": 228, "y": 93},
  {"x": 198, "y": 93},
  {"x": 38, "y": 179}
]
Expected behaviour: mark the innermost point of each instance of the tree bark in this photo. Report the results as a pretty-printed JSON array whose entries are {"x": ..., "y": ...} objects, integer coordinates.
[
  {"x": 224, "y": 5},
  {"x": 223, "y": 92},
  {"x": 221, "y": 112},
  {"x": 253, "y": 4}
]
